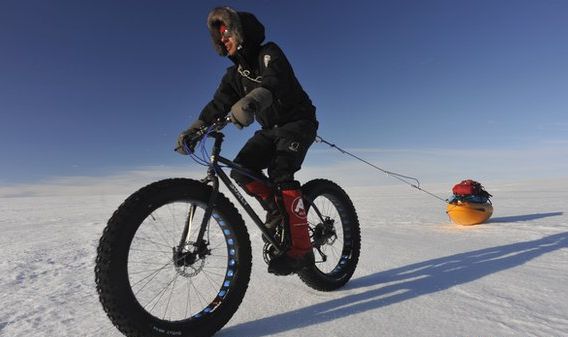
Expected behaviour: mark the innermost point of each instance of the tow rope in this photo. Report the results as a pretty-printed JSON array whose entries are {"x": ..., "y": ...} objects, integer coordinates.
[{"x": 405, "y": 179}]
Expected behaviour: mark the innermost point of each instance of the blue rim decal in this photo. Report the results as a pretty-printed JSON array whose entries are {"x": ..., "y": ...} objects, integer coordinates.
[{"x": 232, "y": 262}]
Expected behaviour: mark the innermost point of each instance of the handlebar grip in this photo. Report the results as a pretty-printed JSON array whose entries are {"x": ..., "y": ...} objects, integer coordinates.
[{"x": 217, "y": 125}]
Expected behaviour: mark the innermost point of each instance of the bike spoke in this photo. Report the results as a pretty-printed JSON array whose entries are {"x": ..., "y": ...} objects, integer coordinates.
[
  {"x": 142, "y": 238},
  {"x": 151, "y": 251},
  {"x": 199, "y": 294},
  {"x": 153, "y": 275},
  {"x": 188, "y": 302},
  {"x": 155, "y": 221},
  {"x": 332, "y": 246},
  {"x": 173, "y": 222},
  {"x": 157, "y": 285},
  {"x": 160, "y": 293},
  {"x": 211, "y": 282},
  {"x": 170, "y": 298},
  {"x": 140, "y": 271},
  {"x": 213, "y": 273}
]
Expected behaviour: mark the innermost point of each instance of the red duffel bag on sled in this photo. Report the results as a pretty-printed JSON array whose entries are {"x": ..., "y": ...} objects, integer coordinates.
[{"x": 470, "y": 187}]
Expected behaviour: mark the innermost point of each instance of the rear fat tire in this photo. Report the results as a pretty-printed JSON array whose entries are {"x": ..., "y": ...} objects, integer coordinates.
[
  {"x": 349, "y": 222},
  {"x": 111, "y": 270}
]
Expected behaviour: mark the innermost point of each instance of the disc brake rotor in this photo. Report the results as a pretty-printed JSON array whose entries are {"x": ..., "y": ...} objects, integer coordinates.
[{"x": 188, "y": 269}]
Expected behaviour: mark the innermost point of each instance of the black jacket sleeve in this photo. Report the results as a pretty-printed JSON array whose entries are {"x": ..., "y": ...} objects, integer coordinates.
[{"x": 225, "y": 96}]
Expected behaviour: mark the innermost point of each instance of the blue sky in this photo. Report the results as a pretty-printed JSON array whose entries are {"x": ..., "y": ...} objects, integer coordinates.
[{"x": 92, "y": 88}]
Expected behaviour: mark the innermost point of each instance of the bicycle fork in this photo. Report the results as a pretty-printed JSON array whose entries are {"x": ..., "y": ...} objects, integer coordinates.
[{"x": 200, "y": 243}]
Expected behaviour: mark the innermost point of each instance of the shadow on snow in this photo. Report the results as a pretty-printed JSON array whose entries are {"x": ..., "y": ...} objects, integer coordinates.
[
  {"x": 404, "y": 283},
  {"x": 526, "y": 217}
]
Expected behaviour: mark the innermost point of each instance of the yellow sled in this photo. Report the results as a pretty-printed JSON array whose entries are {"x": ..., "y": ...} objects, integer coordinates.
[{"x": 469, "y": 213}]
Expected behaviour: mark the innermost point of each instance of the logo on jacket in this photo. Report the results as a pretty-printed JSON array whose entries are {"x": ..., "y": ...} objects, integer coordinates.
[
  {"x": 294, "y": 146},
  {"x": 266, "y": 60}
]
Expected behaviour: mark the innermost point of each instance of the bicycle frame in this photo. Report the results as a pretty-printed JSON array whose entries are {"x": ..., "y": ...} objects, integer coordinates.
[{"x": 214, "y": 172}]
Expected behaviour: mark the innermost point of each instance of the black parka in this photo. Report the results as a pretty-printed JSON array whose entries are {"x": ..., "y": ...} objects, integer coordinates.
[{"x": 256, "y": 65}]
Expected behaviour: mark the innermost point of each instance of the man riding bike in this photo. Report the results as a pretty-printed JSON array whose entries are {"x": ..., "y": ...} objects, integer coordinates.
[{"x": 261, "y": 85}]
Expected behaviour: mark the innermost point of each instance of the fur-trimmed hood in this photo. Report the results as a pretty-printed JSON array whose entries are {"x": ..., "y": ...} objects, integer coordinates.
[{"x": 247, "y": 31}]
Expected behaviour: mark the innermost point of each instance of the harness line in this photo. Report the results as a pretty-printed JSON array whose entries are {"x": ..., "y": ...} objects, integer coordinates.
[{"x": 405, "y": 179}]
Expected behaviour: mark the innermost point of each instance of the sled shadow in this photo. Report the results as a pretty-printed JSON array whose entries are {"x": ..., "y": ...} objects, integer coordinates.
[
  {"x": 404, "y": 283},
  {"x": 526, "y": 217}
]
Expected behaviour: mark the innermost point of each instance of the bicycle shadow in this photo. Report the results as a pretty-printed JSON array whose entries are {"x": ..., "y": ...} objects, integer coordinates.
[
  {"x": 526, "y": 217},
  {"x": 412, "y": 281}
]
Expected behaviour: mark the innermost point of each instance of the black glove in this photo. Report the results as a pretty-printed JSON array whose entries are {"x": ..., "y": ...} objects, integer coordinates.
[
  {"x": 242, "y": 112},
  {"x": 186, "y": 140}
]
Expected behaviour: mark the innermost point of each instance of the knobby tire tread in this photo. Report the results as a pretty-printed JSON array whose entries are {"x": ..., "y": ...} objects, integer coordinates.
[
  {"x": 312, "y": 277},
  {"x": 116, "y": 235}
]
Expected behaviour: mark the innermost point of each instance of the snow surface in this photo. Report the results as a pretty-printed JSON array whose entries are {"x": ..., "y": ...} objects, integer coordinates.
[{"x": 419, "y": 275}]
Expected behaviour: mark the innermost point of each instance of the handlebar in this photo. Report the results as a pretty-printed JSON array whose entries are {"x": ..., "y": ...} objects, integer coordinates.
[
  {"x": 217, "y": 125},
  {"x": 205, "y": 130}
]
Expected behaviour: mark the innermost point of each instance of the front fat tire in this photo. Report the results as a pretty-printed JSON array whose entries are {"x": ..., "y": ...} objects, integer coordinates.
[
  {"x": 350, "y": 250},
  {"x": 111, "y": 270}
]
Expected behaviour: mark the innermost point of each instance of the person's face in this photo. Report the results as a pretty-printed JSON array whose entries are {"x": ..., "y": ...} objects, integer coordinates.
[{"x": 228, "y": 41}]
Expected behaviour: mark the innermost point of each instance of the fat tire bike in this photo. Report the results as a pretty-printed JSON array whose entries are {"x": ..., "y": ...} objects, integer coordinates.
[{"x": 175, "y": 258}]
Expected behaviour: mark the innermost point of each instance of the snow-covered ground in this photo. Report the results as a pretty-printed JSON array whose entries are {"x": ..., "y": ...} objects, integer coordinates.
[{"x": 419, "y": 275}]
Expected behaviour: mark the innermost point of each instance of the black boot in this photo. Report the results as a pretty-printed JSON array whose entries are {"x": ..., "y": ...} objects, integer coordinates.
[
  {"x": 285, "y": 264},
  {"x": 273, "y": 219},
  {"x": 274, "y": 216}
]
